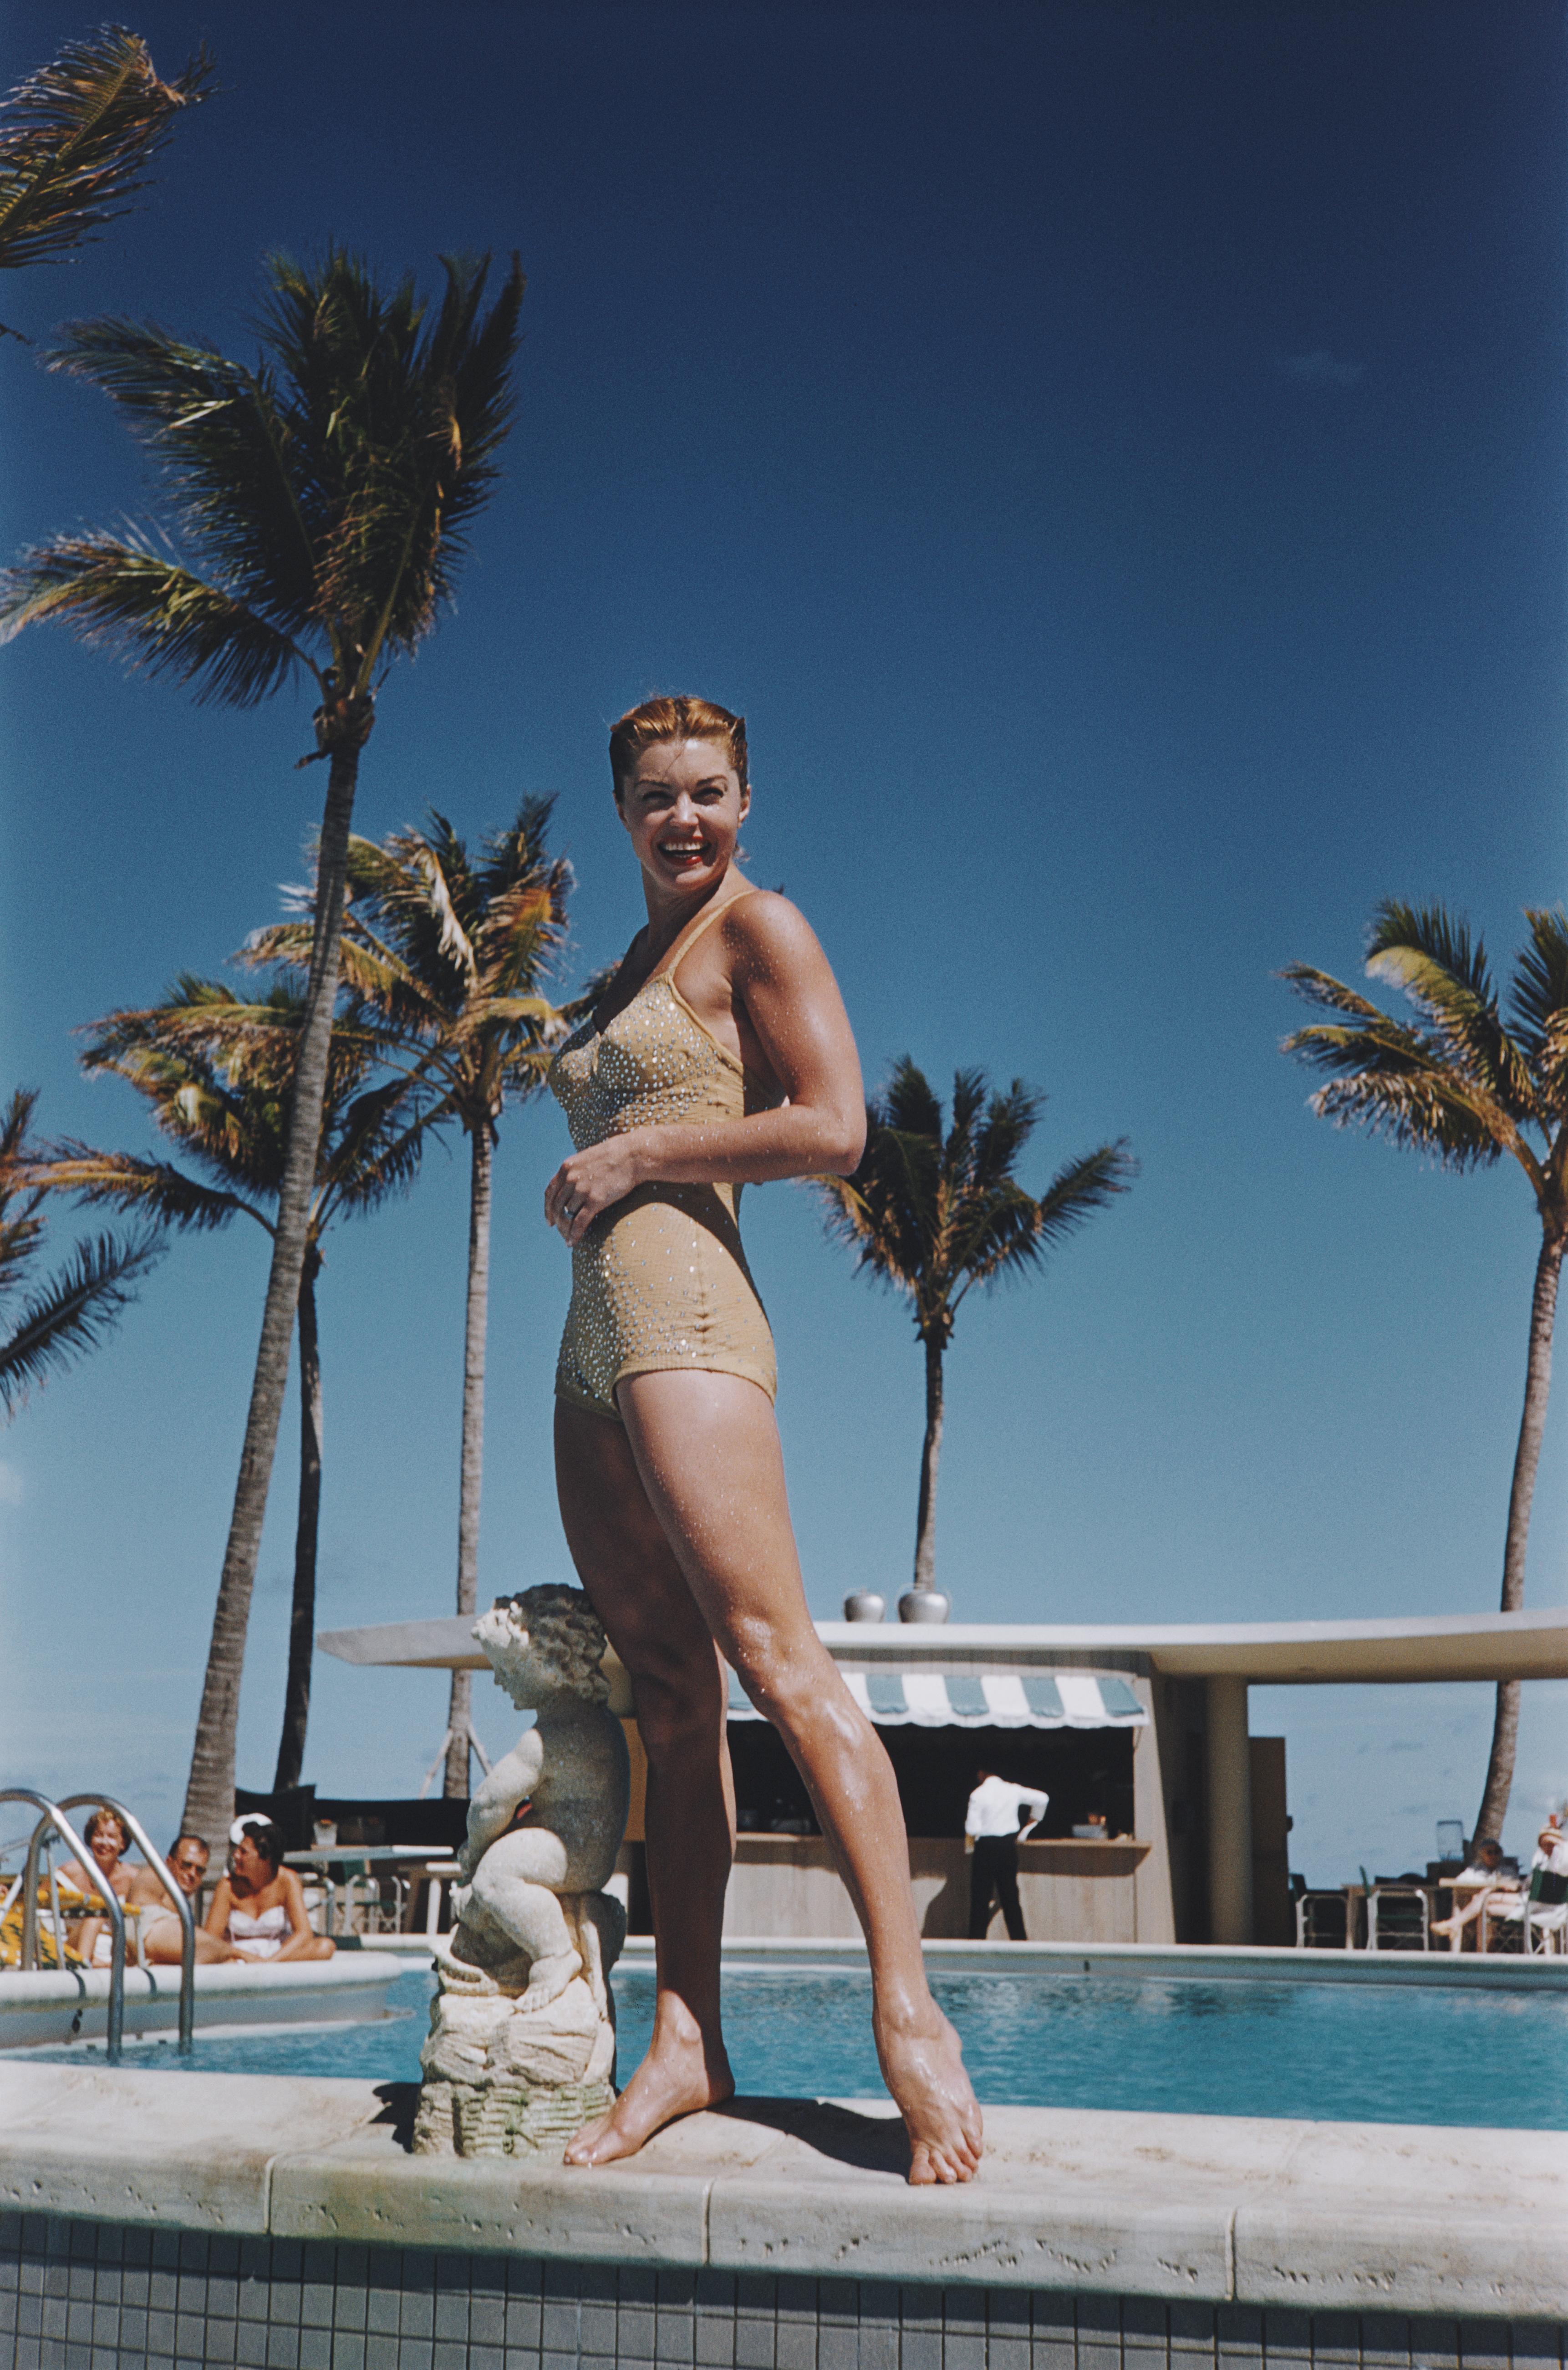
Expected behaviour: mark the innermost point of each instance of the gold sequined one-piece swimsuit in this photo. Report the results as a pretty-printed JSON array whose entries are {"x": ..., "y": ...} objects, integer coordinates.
[{"x": 659, "y": 1280}]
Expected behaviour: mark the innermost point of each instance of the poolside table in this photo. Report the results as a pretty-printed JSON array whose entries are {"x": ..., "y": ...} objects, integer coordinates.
[{"x": 340, "y": 1865}]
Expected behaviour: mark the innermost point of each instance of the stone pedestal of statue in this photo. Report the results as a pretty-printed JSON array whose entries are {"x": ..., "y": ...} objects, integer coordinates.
[
  {"x": 502, "y": 2079},
  {"x": 522, "y": 2041}
]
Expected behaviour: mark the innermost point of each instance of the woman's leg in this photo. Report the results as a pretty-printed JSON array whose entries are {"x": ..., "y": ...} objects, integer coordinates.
[
  {"x": 639, "y": 1592},
  {"x": 708, "y": 1453}
]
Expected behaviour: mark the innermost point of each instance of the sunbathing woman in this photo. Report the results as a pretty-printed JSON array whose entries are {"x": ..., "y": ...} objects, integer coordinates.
[
  {"x": 720, "y": 1055},
  {"x": 106, "y": 1843},
  {"x": 260, "y": 1905}
]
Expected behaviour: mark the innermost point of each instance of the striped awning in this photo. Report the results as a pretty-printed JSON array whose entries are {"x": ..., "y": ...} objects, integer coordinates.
[{"x": 966, "y": 1699}]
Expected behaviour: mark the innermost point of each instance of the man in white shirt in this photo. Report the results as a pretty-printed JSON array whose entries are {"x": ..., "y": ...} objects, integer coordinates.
[{"x": 992, "y": 1831}]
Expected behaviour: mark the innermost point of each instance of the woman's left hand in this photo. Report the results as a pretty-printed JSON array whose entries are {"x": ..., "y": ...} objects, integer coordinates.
[{"x": 591, "y": 1182}]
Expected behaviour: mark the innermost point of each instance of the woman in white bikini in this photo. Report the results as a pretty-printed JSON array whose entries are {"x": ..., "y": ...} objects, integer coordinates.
[
  {"x": 720, "y": 1055},
  {"x": 260, "y": 1905}
]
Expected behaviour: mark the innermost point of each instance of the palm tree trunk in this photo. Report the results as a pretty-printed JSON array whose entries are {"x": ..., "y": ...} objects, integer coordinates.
[
  {"x": 209, "y": 1793},
  {"x": 473, "y": 1441},
  {"x": 1526, "y": 1458},
  {"x": 926, "y": 1520},
  {"x": 302, "y": 1614}
]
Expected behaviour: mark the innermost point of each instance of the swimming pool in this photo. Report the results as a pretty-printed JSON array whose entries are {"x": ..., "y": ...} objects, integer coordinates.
[{"x": 1322, "y": 2051}]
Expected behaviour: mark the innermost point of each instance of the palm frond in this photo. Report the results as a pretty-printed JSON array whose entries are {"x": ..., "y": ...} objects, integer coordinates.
[
  {"x": 398, "y": 420},
  {"x": 76, "y": 1310},
  {"x": 1008, "y": 1121},
  {"x": 21, "y": 1226},
  {"x": 1430, "y": 955},
  {"x": 1539, "y": 1001},
  {"x": 1081, "y": 1187},
  {"x": 934, "y": 1215},
  {"x": 909, "y": 1101},
  {"x": 1421, "y": 1109},
  {"x": 153, "y": 1188},
  {"x": 1442, "y": 939},
  {"x": 1330, "y": 995},
  {"x": 223, "y": 436},
  {"x": 76, "y": 138},
  {"x": 150, "y": 611}
]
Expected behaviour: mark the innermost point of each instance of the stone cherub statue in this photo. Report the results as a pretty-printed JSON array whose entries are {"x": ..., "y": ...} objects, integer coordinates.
[{"x": 522, "y": 2038}]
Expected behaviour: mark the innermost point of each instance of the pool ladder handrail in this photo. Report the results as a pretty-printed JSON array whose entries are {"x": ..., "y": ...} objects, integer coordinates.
[{"x": 53, "y": 1816}]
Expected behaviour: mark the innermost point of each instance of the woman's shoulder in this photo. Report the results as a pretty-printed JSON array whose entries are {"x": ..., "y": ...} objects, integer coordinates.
[{"x": 768, "y": 928}]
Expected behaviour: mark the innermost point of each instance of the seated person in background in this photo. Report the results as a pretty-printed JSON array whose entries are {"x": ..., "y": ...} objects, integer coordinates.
[
  {"x": 161, "y": 1932},
  {"x": 1550, "y": 1861},
  {"x": 107, "y": 1843},
  {"x": 1481, "y": 1881},
  {"x": 991, "y": 1830},
  {"x": 258, "y": 1908}
]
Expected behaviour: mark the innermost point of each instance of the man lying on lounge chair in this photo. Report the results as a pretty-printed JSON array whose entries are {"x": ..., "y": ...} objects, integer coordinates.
[{"x": 161, "y": 1933}]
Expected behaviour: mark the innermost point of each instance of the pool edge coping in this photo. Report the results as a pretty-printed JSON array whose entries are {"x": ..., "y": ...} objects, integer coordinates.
[{"x": 1421, "y": 2219}]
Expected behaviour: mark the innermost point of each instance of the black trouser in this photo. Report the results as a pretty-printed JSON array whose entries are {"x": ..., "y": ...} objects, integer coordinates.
[{"x": 994, "y": 1870}]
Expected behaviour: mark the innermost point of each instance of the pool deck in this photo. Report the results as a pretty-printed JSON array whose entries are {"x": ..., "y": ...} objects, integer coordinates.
[
  {"x": 1319, "y": 2218},
  {"x": 44, "y": 2006}
]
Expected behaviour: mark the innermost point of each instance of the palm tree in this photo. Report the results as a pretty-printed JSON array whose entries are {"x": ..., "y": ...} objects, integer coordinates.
[
  {"x": 70, "y": 1312},
  {"x": 76, "y": 138},
  {"x": 216, "y": 1070},
  {"x": 449, "y": 951},
  {"x": 934, "y": 1215},
  {"x": 1464, "y": 1087},
  {"x": 324, "y": 496}
]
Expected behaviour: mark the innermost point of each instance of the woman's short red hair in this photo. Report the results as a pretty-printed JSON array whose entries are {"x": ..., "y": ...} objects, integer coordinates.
[{"x": 676, "y": 718}]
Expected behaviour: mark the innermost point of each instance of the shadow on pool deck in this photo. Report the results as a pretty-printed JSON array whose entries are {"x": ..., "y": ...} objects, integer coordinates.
[{"x": 870, "y": 2143}]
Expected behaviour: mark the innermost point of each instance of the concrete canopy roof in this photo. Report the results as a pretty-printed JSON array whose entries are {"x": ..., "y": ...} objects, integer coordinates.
[{"x": 1276, "y": 1653}]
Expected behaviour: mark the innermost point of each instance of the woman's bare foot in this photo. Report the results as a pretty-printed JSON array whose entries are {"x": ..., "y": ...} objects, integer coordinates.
[
  {"x": 922, "y": 2065},
  {"x": 681, "y": 2075}
]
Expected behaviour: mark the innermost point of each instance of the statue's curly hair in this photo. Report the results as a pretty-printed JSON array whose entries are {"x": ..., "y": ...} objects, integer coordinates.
[{"x": 564, "y": 1631}]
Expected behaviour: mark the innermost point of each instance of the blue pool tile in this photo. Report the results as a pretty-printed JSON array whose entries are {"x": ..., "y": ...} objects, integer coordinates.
[
  {"x": 558, "y": 2324},
  {"x": 250, "y": 2344},
  {"x": 879, "y": 2343},
  {"x": 753, "y": 2342},
  {"x": 488, "y": 2321},
  {"x": 837, "y": 2346},
  {"x": 597, "y": 2329},
  {"x": 417, "y": 2316},
  {"x": 383, "y": 2310},
  {"x": 1052, "y": 2332},
  {"x": 451, "y": 2315},
  {"x": 1192, "y": 2329},
  {"x": 522, "y": 2322}
]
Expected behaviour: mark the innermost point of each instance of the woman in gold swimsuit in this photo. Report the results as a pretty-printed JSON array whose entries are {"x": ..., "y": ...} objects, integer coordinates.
[{"x": 720, "y": 1056}]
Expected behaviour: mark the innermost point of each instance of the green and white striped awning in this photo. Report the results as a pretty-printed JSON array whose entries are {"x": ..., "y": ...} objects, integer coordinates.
[{"x": 929, "y": 1698}]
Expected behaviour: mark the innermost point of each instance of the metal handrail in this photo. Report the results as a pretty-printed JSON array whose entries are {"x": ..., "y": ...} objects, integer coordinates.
[
  {"x": 53, "y": 1816},
  {"x": 155, "y": 1861}
]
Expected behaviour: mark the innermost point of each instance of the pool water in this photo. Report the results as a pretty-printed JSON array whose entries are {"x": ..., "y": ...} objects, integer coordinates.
[{"x": 1340, "y": 2052}]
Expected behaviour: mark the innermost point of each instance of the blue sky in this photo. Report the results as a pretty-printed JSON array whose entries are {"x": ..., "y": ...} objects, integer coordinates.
[{"x": 1116, "y": 459}]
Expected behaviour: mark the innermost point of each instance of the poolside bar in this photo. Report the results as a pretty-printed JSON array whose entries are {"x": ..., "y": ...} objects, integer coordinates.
[{"x": 1155, "y": 1713}]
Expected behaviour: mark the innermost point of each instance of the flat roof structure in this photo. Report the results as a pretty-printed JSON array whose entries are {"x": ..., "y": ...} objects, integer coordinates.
[
  {"x": 1224, "y": 1660},
  {"x": 1427, "y": 1648}
]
